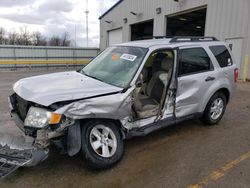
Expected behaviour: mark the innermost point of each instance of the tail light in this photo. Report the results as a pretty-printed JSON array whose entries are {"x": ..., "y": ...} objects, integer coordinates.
[{"x": 236, "y": 74}]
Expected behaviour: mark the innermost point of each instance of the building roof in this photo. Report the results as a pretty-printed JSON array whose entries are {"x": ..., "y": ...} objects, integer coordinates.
[{"x": 110, "y": 9}]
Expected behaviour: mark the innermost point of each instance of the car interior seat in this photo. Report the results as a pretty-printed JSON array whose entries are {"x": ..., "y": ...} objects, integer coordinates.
[{"x": 147, "y": 104}]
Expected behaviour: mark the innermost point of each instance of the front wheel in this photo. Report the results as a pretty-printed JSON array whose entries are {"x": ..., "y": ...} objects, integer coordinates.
[
  {"x": 102, "y": 144},
  {"x": 214, "y": 109}
]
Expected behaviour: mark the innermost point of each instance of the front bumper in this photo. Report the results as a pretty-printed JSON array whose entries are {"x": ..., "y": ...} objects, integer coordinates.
[{"x": 16, "y": 151}]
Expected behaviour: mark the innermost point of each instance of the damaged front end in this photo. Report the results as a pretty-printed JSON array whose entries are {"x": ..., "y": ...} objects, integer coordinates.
[
  {"x": 31, "y": 148},
  {"x": 57, "y": 123}
]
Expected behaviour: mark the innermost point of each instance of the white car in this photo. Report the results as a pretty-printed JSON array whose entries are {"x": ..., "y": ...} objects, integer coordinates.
[{"x": 128, "y": 90}]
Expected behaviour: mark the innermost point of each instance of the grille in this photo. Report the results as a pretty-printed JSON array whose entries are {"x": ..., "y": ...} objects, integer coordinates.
[{"x": 22, "y": 107}]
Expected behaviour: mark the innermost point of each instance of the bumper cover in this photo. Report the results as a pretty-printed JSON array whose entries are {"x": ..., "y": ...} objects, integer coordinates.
[{"x": 15, "y": 151}]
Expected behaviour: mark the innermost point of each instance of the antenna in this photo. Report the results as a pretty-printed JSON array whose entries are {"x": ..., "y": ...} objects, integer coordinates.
[{"x": 87, "y": 23}]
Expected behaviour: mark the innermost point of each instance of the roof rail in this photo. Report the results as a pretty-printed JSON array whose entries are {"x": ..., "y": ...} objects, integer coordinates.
[
  {"x": 192, "y": 39},
  {"x": 162, "y": 37}
]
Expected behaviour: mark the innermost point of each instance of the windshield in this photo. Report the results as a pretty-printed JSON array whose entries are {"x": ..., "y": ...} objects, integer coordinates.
[{"x": 116, "y": 65}]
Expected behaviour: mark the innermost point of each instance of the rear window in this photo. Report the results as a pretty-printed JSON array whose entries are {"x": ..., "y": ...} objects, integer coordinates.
[{"x": 222, "y": 55}]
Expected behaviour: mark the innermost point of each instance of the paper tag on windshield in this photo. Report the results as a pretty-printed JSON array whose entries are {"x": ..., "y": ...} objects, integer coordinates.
[{"x": 128, "y": 57}]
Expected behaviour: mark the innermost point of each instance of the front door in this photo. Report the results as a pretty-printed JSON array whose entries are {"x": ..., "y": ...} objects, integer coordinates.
[{"x": 195, "y": 75}]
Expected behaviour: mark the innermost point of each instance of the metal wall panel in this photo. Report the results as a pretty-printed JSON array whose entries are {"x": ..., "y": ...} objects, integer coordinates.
[
  {"x": 30, "y": 53},
  {"x": 226, "y": 19},
  {"x": 60, "y": 53},
  {"x": 83, "y": 53},
  {"x": 8, "y": 52}
]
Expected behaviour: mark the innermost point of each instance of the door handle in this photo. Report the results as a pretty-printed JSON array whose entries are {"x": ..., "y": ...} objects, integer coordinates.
[{"x": 210, "y": 78}]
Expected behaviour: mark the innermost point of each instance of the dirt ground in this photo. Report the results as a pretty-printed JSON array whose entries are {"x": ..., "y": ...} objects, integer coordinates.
[{"x": 185, "y": 155}]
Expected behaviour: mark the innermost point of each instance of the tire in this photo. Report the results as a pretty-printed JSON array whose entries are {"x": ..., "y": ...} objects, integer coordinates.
[
  {"x": 100, "y": 151},
  {"x": 214, "y": 111}
]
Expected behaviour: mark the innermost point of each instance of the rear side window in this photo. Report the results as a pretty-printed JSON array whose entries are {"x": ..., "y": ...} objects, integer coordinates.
[
  {"x": 193, "y": 60},
  {"x": 222, "y": 55}
]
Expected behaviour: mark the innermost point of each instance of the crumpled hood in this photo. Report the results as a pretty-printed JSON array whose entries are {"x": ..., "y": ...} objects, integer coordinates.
[{"x": 51, "y": 88}]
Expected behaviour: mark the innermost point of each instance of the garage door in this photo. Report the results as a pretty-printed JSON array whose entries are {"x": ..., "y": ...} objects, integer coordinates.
[
  {"x": 114, "y": 37},
  {"x": 141, "y": 31},
  {"x": 187, "y": 24}
]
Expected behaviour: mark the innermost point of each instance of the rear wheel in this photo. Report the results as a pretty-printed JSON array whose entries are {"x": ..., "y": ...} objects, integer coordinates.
[
  {"x": 215, "y": 109},
  {"x": 102, "y": 144}
]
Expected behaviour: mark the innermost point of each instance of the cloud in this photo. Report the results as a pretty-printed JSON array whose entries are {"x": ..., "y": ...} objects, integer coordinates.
[
  {"x": 55, "y": 17},
  {"x": 56, "y": 6},
  {"x": 29, "y": 18},
  {"x": 14, "y": 3},
  {"x": 102, "y": 6}
]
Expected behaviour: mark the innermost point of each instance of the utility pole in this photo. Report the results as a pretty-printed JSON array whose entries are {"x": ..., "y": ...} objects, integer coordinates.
[
  {"x": 87, "y": 23},
  {"x": 75, "y": 35}
]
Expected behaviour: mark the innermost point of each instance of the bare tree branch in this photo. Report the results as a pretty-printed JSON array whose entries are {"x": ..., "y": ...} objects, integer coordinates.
[{"x": 24, "y": 37}]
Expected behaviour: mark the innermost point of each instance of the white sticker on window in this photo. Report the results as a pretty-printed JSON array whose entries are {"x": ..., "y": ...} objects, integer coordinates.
[{"x": 128, "y": 57}]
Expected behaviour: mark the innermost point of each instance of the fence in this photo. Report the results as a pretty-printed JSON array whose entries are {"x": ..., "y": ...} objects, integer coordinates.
[{"x": 14, "y": 57}]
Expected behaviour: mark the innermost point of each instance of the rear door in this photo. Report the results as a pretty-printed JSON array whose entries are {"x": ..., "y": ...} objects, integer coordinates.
[{"x": 195, "y": 75}]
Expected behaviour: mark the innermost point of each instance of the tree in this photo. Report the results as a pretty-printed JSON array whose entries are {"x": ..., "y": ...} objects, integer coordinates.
[
  {"x": 60, "y": 41},
  {"x": 38, "y": 39},
  {"x": 12, "y": 40},
  {"x": 65, "y": 39},
  {"x": 3, "y": 39},
  {"x": 54, "y": 41},
  {"x": 24, "y": 37}
]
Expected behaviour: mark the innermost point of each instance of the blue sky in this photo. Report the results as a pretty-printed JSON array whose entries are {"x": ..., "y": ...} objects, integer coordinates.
[{"x": 54, "y": 17}]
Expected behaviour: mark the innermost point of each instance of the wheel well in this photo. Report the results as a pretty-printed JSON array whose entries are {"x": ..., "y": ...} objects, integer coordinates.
[
  {"x": 116, "y": 122},
  {"x": 225, "y": 91}
]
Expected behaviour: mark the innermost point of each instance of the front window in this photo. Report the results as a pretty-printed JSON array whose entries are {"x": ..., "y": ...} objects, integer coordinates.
[{"x": 116, "y": 65}]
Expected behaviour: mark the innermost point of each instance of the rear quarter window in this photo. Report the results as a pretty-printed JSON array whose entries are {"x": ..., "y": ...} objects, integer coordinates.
[{"x": 222, "y": 55}]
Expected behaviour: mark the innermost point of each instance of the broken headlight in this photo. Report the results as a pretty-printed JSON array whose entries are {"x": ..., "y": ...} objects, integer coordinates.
[{"x": 37, "y": 117}]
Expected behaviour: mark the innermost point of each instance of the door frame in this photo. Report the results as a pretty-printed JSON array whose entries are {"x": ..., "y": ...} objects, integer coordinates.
[{"x": 170, "y": 87}]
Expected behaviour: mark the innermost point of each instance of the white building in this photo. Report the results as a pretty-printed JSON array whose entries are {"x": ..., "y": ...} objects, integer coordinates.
[{"x": 228, "y": 20}]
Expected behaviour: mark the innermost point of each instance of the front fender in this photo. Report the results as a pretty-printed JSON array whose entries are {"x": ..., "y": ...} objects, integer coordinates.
[{"x": 74, "y": 139}]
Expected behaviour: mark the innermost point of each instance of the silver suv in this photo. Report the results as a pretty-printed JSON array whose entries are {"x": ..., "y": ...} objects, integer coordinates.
[{"x": 128, "y": 90}]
